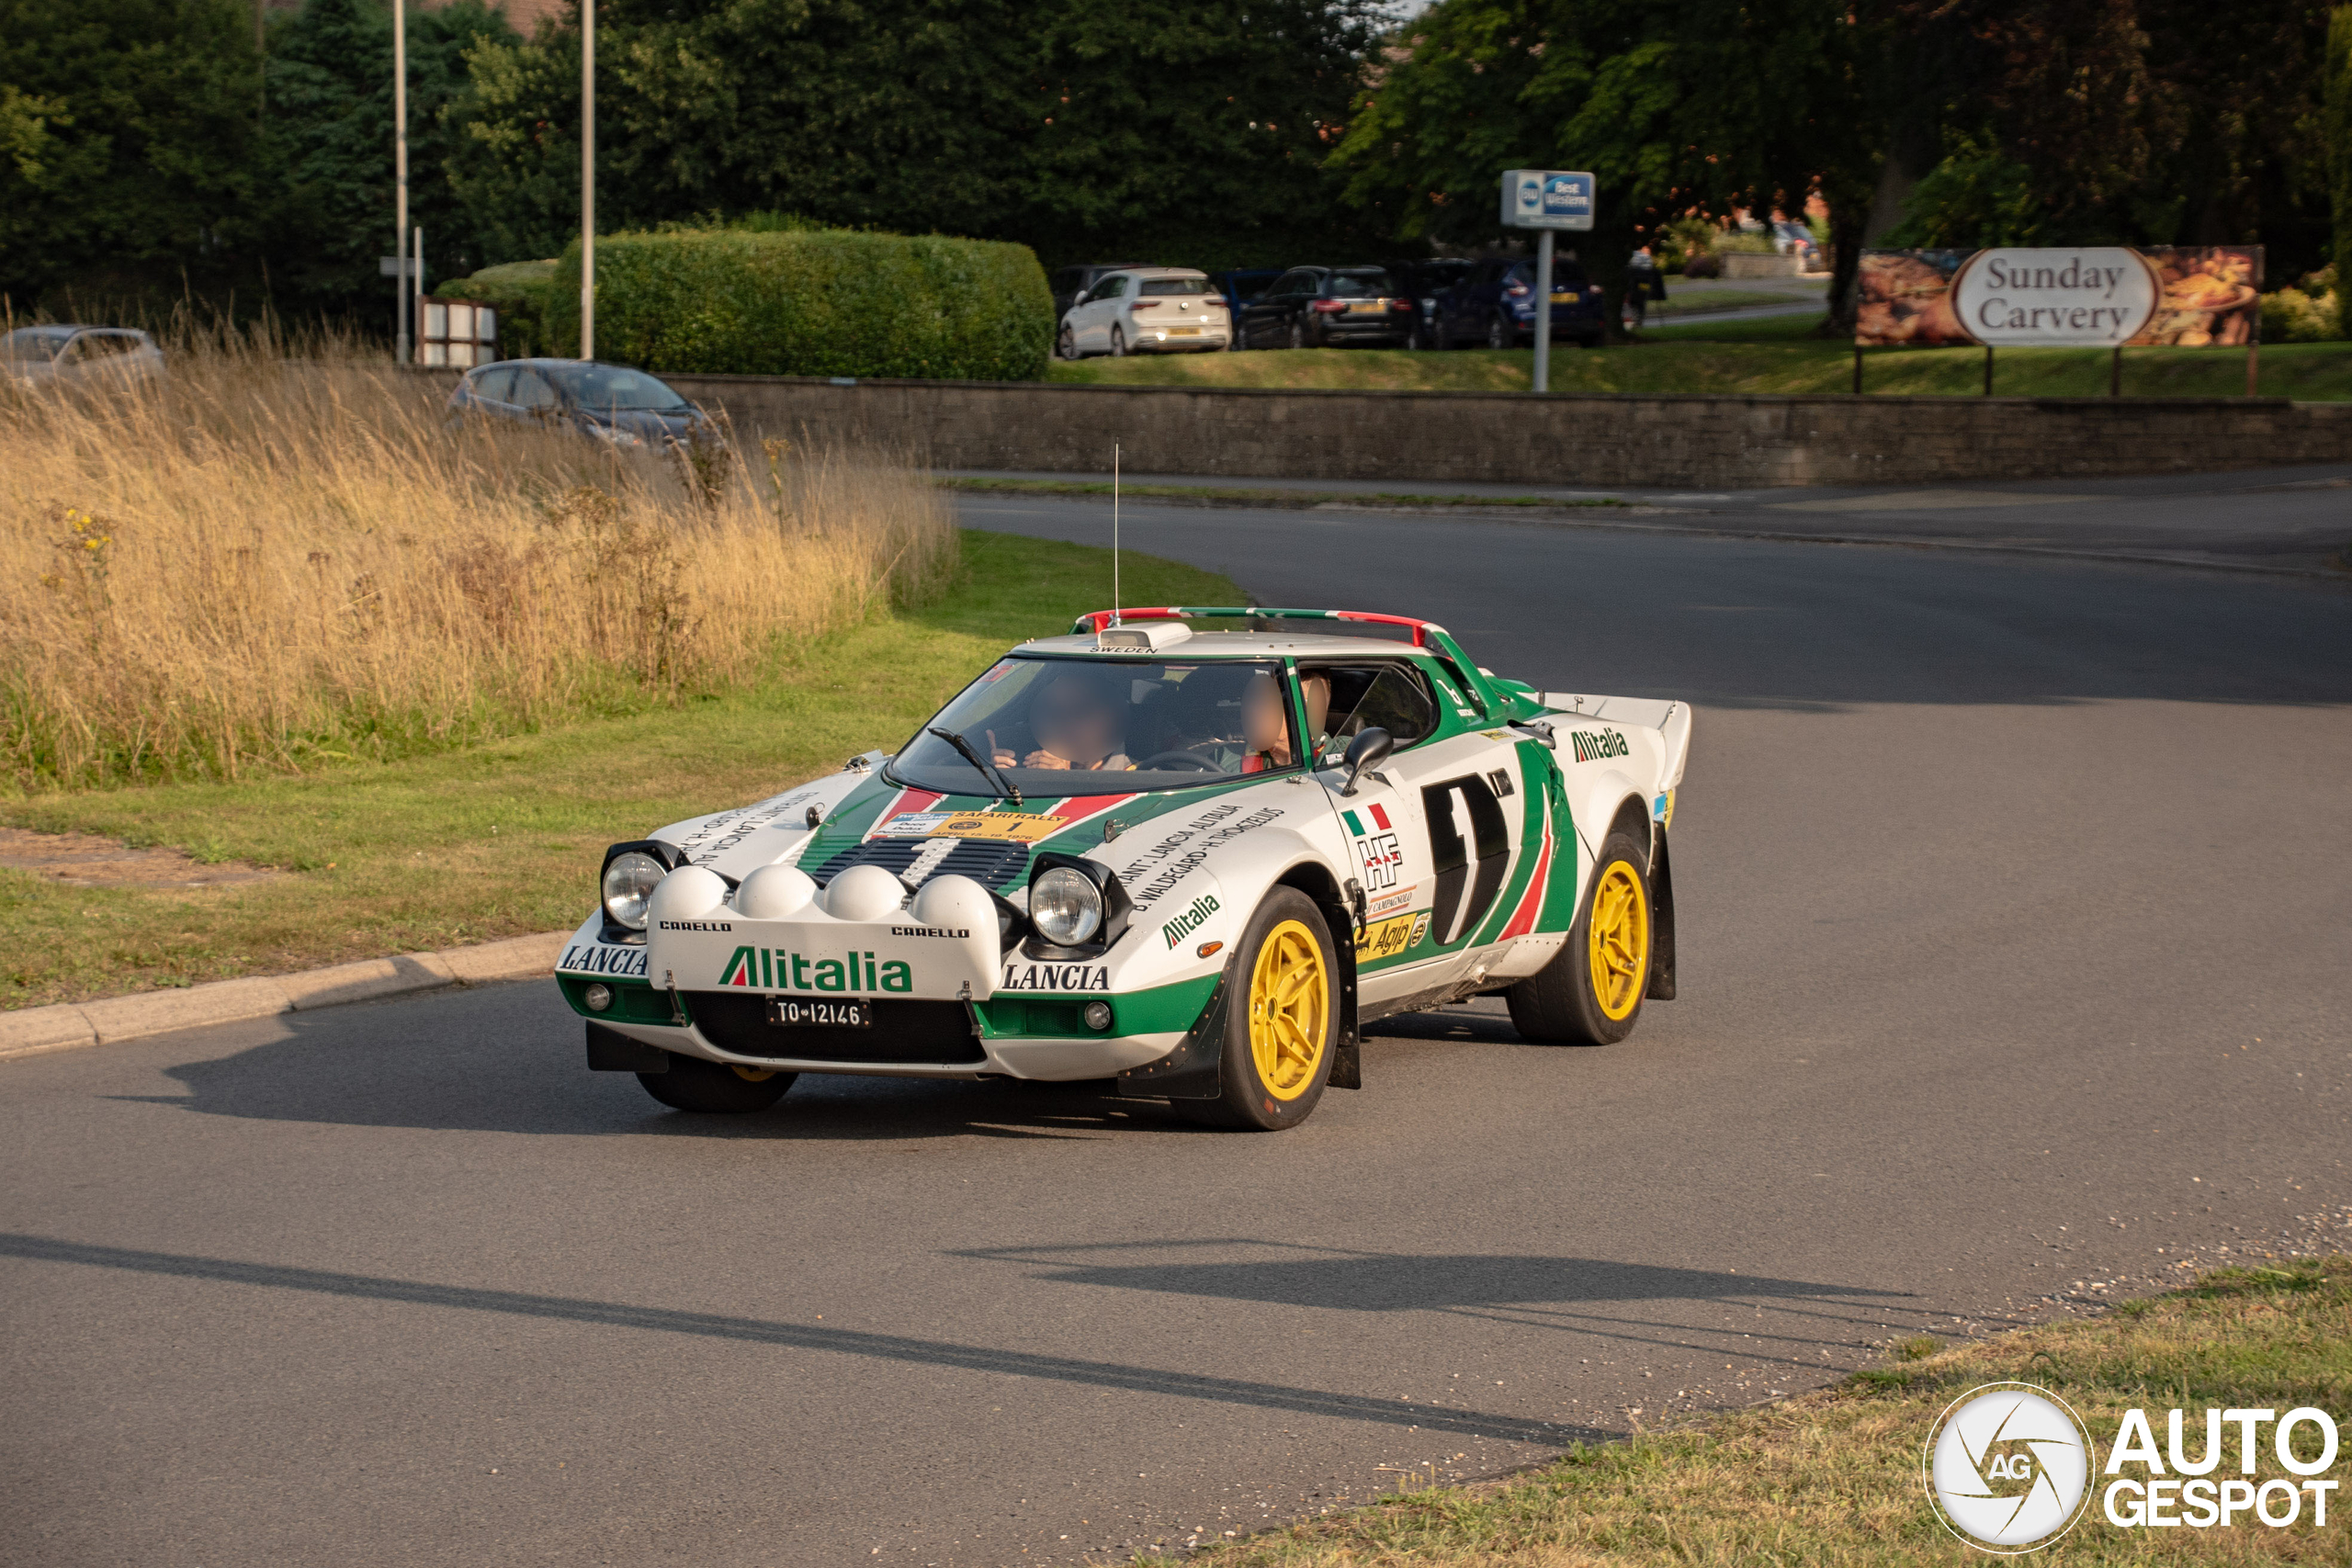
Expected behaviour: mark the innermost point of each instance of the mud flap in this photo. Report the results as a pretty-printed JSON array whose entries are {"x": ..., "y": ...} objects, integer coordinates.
[
  {"x": 1661, "y": 988},
  {"x": 1194, "y": 1070},
  {"x": 1346, "y": 1055},
  {"x": 610, "y": 1051}
]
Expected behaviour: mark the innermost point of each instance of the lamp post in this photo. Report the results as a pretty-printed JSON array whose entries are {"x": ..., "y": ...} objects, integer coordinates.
[
  {"x": 399, "y": 161},
  {"x": 587, "y": 179}
]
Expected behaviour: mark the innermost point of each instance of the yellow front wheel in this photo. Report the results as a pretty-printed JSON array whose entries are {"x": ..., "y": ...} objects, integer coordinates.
[
  {"x": 1282, "y": 1008},
  {"x": 1591, "y": 994}
]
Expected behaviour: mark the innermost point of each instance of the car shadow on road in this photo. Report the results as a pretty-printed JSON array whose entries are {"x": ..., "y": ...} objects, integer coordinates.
[{"x": 509, "y": 1059}]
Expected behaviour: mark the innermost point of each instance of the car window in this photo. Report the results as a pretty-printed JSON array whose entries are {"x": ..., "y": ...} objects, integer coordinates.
[
  {"x": 618, "y": 386},
  {"x": 1390, "y": 697},
  {"x": 532, "y": 392},
  {"x": 1168, "y": 286},
  {"x": 497, "y": 385},
  {"x": 1066, "y": 726},
  {"x": 35, "y": 343},
  {"x": 1360, "y": 286},
  {"x": 101, "y": 345}
]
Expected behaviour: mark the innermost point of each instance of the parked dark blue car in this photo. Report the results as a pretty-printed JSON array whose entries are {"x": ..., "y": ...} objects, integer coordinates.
[
  {"x": 609, "y": 402},
  {"x": 1495, "y": 306}
]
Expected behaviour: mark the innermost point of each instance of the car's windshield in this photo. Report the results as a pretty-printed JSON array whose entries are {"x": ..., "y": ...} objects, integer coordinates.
[
  {"x": 613, "y": 386},
  {"x": 1360, "y": 284},
  {"x": 1175, "y": 286},
  {"x": 35, "y": 343},
  {"x": 1062, "y": 727}
]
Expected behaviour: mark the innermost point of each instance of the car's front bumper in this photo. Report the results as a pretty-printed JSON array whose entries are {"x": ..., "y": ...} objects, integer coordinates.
[{"x": 1045, "y": 1058}]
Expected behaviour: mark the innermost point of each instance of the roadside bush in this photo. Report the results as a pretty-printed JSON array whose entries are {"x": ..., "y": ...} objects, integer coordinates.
[
  {"x": 811, "y": 302},
  {"x": 2304, "y": 315},
  {"x": 519, "y": 291},
  {"x": 1705, "y": 264}
]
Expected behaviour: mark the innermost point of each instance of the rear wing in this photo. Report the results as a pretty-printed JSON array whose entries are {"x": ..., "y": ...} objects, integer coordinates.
[{"x": 1669, "y": 717}]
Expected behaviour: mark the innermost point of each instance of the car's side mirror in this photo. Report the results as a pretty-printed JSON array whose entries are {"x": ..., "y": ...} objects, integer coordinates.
[{"x": 1366, "y": 751}]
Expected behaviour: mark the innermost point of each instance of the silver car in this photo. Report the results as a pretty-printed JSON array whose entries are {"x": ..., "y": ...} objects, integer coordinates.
[
  {"x": 68, "y": 355},
  {"x": 1146, "y": 310}
]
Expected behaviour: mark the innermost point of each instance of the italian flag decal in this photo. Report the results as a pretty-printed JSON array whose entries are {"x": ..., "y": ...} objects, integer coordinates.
[{"x": 1379, "y": 819}]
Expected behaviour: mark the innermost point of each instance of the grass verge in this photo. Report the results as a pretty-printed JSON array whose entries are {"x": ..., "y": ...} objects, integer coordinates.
[
  {"x": 1833, "y": 1478},
  {"x": 502, "y": 839},
  {"x": 1776, "y": 355},
  {"x": 1294, "y": 499}
]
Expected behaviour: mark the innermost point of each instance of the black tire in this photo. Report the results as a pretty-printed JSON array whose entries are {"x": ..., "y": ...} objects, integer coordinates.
[
  {"x": 1118, "y": 343},
  {"x": 714, "y": 1089},
  {"x": 1561, "y": 1004},
  {"x": 1499, "y": 333},
  {"x": 1414, "y": 342},
  {"x": 1298, "y": 334},
  {"x": 1248, "y": 1101},
  {"x": 1068, "y": 346}
]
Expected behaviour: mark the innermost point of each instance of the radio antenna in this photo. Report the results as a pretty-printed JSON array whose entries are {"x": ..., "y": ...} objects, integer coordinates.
[{"x": 1115, "y": 533}]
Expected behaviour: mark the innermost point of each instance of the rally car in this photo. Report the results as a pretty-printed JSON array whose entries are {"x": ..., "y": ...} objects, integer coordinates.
[{"x": 1191, "y": 851}]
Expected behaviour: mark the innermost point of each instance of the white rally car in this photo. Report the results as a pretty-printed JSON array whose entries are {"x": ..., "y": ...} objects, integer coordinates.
[{"x": 1192, "y": 852}]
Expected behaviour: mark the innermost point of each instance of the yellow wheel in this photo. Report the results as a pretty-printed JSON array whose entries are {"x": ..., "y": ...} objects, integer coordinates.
[
  {"x": 1290, "y": 1010},
  {"x": 1281, "y": 1002},
  {"x": 1617, "y": 940},
  {"x": 1591, "y": 993}
]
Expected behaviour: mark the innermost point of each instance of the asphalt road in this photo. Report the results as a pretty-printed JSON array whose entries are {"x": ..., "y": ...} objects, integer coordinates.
[{"x": 2014, "y": 977}]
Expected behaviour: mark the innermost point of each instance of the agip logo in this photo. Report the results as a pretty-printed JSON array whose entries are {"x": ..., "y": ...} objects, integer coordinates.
[{"x": 2008, "y": 1467}]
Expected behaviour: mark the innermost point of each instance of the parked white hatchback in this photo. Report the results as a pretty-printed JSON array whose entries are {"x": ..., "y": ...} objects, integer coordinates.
[
  {"x": 1146, "y": 310},
  {"x": 68, "y": 355}
]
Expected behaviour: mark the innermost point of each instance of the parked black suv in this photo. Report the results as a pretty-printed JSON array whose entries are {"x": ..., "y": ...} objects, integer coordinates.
[
  {"x": 1495, "y": 306},
  {"x": 1320, "y": 306},
  {"x": 1424, "y": 280}
]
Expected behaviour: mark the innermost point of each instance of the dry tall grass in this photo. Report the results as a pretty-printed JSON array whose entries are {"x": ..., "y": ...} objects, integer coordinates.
[{"x": 273, "y": 559}]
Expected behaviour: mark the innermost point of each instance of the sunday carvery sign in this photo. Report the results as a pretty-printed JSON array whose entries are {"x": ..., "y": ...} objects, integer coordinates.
[{"x": 2084, "y": 295}]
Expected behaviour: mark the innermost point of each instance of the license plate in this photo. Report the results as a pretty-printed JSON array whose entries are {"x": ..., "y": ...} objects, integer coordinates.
[
  {"x": 1564, "y": 299},
  {"x": 801, "y": 1012},
  {"x": 1183, "y": 332},
  {"x": 1373, "y": 308}
]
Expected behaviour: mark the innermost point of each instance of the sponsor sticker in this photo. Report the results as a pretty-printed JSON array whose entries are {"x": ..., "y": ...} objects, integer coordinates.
[
  {"x": 779, "y": 969},
  {"x": 1190, "y": 920},
  {"x": 1378, "y": 851},
  {"x": 1001, "y": 827},
  {"x": 1592, "y": 747},
  {"x": 1021, "y": 977},
  {"x": 1391, "y": 937},
  {"x": 598, "y": 958},
  {"x": 1389, "y": 903}
]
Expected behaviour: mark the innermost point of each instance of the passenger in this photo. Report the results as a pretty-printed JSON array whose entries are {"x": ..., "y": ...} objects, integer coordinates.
[
  {"x": 1265, "y": 726},
  {"x": 1077, "y": 721}
]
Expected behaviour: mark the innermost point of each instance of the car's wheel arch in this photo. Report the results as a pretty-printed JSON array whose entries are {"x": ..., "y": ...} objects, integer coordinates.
[{"x": 1316, "y": 880}]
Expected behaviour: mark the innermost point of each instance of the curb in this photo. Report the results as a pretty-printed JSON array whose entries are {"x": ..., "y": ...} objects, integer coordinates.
[{"x": 68, "y": 1026}]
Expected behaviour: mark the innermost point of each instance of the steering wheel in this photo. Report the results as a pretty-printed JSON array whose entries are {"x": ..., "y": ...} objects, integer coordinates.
[{"x": 1180, "y": 760}]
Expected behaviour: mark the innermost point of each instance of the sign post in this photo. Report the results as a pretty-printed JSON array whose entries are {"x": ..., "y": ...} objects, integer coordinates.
[{"x": 1546, "y": 200}]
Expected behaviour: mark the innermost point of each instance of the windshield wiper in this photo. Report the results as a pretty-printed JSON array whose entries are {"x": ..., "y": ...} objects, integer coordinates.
[{"x": 997, "y": 780}]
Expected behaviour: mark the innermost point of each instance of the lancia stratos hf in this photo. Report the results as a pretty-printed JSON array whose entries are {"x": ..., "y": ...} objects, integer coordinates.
[{"x": 1191, "y": 851}]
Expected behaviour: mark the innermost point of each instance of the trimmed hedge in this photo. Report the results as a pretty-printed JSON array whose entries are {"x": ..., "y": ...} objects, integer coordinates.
[{"x": 810, "y": 302}]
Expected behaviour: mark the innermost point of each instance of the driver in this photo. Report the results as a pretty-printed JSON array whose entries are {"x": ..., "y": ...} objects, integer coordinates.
[{"x": 1078, "y": 722}]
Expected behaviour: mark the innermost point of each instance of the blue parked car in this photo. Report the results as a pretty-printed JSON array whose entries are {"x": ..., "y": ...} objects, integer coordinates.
[
  {"x": 1495, "y": 306},
  {"x": 1241, "y": 287},
  {"x": 609, "y": 402}
]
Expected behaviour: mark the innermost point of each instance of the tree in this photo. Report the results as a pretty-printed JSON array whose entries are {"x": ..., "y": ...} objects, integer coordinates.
[
  {"x": 1700, "y": 108},
  {"x": 130, "y": 144},
  {"x": 1191, "y": 130},
  {"x": 330, "y": 149},
  {"x": 2338, "y": 140}
]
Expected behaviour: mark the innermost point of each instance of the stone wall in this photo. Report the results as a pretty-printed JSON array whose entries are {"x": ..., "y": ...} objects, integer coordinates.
[{"x": 1429, "y": 437}]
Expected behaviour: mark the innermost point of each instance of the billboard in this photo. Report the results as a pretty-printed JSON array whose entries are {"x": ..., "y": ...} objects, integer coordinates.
[{"x": 2083, "y": 296}]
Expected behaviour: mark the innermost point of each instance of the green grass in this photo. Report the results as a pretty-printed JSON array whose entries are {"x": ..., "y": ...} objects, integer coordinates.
[
  {"x": 1833, "y": 1478},
  {"x": 1776, "y": 355},
  {"x": 504, "y": 838}
]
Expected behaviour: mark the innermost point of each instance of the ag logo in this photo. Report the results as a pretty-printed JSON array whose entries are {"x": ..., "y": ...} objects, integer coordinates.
[{"x": 2008, "y": 1468}]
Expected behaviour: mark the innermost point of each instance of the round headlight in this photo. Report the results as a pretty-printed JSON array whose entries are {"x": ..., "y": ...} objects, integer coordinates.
[
  {"x": 628, "y": 883},
  {"x": 598, "y": 997},
  {"x": 1065, "y": 907},
  {"x": 1098, "y": 1015}
]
